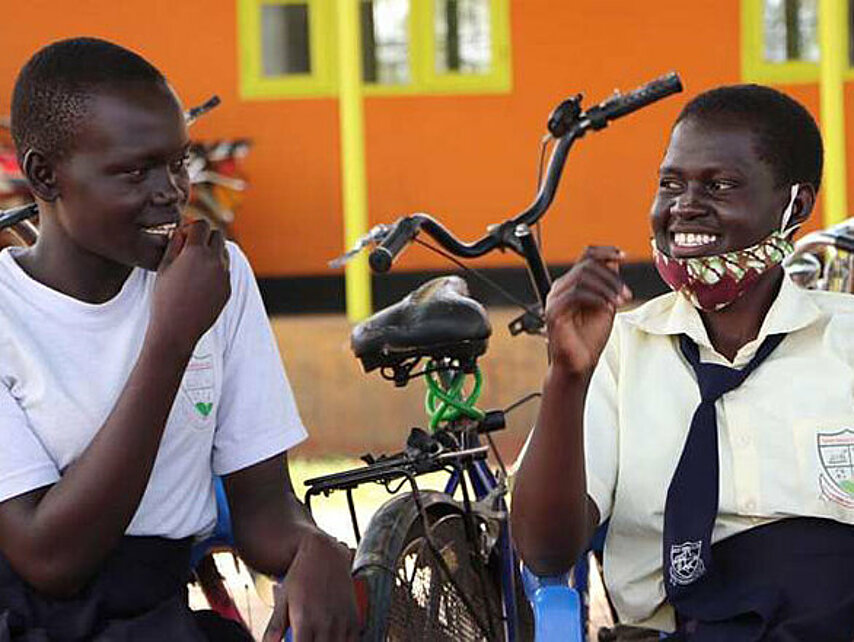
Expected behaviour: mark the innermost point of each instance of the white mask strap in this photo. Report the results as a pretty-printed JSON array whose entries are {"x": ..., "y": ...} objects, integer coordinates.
[{"x": 787, "y": 213}]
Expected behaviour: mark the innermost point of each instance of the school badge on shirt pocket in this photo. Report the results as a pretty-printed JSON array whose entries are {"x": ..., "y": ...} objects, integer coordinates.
[
  {"x": 199, "y": 388},
  {"x": 836, "y": 455}
]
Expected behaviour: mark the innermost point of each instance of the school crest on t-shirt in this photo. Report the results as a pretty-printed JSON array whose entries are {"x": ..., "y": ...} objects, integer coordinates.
[
  {"x": 199, "y": 383},
  {"x": 836, "y": 454}
]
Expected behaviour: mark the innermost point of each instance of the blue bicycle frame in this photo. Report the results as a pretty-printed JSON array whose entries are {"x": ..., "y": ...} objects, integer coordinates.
[{"x": 558, "y": 611}]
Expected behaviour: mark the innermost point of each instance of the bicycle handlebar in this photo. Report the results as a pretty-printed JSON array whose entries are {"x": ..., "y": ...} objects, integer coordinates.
[
  {"x": 13, "y": 216},
  {"x": 839, "y": 240},
  {"x": 194, "y": 112},
  {"x": 567, "y": 123},
  {"x": 400, "y": 236},
  {"x": 623, "y": 104}
]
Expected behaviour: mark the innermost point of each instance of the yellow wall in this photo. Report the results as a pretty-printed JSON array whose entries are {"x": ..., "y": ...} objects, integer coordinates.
[{"x": 470, "y": 160}]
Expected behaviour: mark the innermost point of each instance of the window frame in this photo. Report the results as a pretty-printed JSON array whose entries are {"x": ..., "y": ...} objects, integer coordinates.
[
  {"x": 754, "y": 68},
  {"x": 322, "y": 81}
]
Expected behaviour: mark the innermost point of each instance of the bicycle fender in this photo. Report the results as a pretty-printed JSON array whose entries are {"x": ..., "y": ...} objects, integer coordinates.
[{"x": 384, "y": 533}]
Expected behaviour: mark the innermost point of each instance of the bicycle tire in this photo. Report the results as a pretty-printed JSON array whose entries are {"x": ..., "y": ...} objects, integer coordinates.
[{"x": 409, "y": 597}]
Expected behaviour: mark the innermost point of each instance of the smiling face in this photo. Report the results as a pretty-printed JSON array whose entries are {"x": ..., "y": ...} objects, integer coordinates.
[
  {"x": 714, "y": 193},
  {"x": 124, "y": 183}
]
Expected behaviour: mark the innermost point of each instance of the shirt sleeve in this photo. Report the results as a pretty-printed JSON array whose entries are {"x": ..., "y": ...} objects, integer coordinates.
[
  {"x": 257, "y": 416},
  {"x": 24, "y": 463},
  {"x": 601, "y": 430}
]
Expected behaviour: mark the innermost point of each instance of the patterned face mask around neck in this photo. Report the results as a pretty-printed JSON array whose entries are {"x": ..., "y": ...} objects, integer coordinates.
[{"x": 713, "y": 282}]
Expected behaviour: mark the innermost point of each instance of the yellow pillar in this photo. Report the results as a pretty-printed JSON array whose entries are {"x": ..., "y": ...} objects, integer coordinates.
[
  {"x": 353, "y": 182},
  {"x": 834, "y": 54}
]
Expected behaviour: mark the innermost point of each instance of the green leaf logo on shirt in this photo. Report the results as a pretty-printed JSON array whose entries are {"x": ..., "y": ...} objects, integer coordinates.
[
  {"x": 204, "y": 408},
  {"x": 199, "y": 386}
]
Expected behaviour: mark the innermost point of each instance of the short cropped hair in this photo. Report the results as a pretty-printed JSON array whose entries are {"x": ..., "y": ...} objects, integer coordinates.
[
  {"x": 787, "y": 136},
  {"x": 54, "y": 89}
]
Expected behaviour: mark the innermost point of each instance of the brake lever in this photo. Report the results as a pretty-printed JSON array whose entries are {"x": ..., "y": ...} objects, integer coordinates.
[{"x": 376, "y": 234}]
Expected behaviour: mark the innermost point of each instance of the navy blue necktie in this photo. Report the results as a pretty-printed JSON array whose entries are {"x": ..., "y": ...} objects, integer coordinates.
[{"x": 692, "y": 498}]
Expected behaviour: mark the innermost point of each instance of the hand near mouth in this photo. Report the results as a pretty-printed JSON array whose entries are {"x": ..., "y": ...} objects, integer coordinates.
[{"x": 193, "y": 284}]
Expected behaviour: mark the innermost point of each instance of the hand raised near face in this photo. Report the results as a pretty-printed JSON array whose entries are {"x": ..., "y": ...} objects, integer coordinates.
[
  {"x": 193, "y": 283},
  {"x": 580, "y": 309}
]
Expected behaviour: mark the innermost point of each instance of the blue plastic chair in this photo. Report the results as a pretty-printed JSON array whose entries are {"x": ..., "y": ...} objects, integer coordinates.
[
  {"x": 557, "y": 609},
  {"x": 222, "y": 534},
  {"x": 560, "y": 612}
]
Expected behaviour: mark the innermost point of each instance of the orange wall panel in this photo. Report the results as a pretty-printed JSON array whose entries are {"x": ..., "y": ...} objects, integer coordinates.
[{"x": 470, "y": 160}]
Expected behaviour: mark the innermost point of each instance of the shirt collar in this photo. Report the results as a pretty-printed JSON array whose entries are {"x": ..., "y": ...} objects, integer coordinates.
[{"x": 673, "y": 313}]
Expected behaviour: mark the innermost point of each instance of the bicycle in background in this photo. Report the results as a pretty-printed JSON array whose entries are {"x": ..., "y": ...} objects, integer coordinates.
[
  {"x": 218, "y": 181},
  {"x": 824, "y": 260},
  {"x": 13, "y": 191},
  {"x": 215, "y": 170},
  {"x": 440, "y": 565}
]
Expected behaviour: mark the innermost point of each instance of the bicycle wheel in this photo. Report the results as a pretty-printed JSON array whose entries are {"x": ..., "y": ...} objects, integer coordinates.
[{"x": 411, "y": 597}]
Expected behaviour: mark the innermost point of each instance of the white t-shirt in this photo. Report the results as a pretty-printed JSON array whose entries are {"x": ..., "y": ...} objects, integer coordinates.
[{"x": 64, "y": 363}]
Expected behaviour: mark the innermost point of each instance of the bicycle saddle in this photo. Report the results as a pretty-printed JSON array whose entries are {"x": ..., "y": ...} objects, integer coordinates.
[{"x": 437, "y": 320}]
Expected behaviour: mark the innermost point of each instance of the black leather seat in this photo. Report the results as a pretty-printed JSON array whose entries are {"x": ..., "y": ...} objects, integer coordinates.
[{"x": 438, "y": 320}]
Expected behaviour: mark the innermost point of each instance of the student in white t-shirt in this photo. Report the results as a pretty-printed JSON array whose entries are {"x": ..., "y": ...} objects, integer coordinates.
[
  {"x": 730, "y": 507},
  {"x": 135, "y": 366}
]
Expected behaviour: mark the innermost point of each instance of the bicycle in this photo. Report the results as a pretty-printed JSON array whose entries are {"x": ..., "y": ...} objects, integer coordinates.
[
  {"x": 13, "y": 191},
  {"x": 218, "y": 182},
  {"x": 475, "y": 548},
  {"x": 824, "y": 259},
  {"x": 436, "y": 566}
]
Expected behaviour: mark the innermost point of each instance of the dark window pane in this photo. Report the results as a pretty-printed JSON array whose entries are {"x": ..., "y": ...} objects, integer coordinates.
[
  {"x": 385, "y": 41},
  {"x": 284, "y": 39},
  {"x": 851, "y": 33},
  {"x": 463, "y": 36},
  {"x": 790, "y": 30}
]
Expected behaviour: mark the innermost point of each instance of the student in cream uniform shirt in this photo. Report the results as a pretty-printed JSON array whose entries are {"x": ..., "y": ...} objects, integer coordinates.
[{"x": 707, "y": 495}]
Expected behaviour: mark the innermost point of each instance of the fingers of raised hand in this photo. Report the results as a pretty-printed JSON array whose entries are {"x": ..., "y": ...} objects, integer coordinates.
[
  {"x": 216, "y": 239},
  {"x": 609, "y": 255},
  {"x": 216, "y": 242},
  {"x": 173, "y": 249},
  {"x": 588, "y": 284},
  {"x": 198, "y": 232}
]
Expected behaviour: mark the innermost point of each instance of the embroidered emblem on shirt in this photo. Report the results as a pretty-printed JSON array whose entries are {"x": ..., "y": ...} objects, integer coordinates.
[
  {"x": 686, "y": 565},
  {"x": 836, "y": 454},
  {"x": 198, "y": 383}
]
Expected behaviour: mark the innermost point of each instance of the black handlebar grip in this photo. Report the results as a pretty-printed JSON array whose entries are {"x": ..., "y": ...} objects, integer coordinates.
[
  {"x": 17, "y": 214},
  {"x": 642, "y": 96},
  {"x": 844, "y": 242},
  {"x": 400, "y": 236},
  {"x": 194, "y": 112}
]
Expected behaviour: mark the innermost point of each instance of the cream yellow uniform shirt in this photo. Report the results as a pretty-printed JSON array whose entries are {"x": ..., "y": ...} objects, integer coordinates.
[{"x": 786, "y": 435}]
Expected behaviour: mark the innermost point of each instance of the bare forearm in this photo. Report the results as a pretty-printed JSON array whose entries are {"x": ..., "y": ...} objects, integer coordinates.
[
  {"x": 267, "y": 519},
  {"x": 269, "y": 540},
  {"x": 551, "y": 520},
  {"x": 79, "y": 520}
]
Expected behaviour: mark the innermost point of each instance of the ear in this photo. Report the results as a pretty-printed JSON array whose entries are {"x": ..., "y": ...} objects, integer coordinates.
[
  {"x": 41, "y": 174},
  {"x": 803, "y": 205}
]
